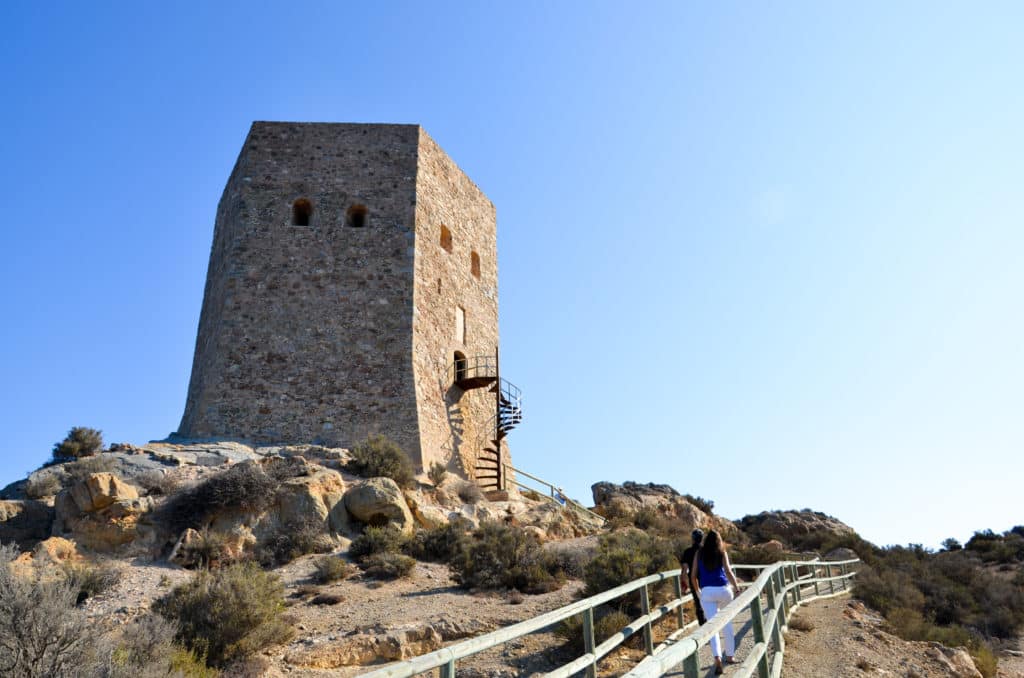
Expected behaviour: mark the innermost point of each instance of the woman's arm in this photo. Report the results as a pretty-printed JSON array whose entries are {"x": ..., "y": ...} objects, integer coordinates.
[{"x": 730, "y": 575}]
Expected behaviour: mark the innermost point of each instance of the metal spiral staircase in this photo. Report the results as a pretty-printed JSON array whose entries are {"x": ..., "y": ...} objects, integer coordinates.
[{"x": 482, "y": 372}]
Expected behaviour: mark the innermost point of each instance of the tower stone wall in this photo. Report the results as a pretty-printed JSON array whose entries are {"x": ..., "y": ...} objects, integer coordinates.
[{"x": 332, "y": 300}]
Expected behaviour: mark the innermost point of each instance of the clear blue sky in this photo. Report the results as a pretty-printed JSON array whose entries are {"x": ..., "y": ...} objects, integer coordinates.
[{"x": 768, "y": 253}]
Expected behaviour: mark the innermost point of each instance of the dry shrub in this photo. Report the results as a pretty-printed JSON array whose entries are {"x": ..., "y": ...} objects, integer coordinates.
[
  {"x": 377, "y": 457},
  {"x": 499, "y": 556},
  {"x": 329, "y": 569},
  {"x": 800, "y": 623},
  {"x": 42, "y": 633},
  {"x": 437, "y": 473},
  {"x": 607, "y": 623},
  {"x": 81, "y": 441},
  {"x": 90, "y": 580},
  {"x": 43, "y": 485},
  {"x": 440, "y": 544},
  {"x": 228, "y": 614},
  {"x": 243, "y": 487},
  {"x": 470, "y": 493},
  {"x": 385, "y": 539},
  {"x": 388, "y": 565},
  {"x": 290, "y": 542},
  {"x": 327, "y": 599},
  {"x": 625, "y": 556},
  {"x": 145, "y": 649},
  {"x": 156, "y": 482}
]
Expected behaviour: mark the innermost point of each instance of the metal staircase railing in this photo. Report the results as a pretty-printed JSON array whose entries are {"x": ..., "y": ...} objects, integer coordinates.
[{"x": 771, "y": 599}]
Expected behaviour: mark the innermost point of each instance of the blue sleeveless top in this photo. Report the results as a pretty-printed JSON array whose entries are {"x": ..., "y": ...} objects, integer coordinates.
[{"x": 711, "y": 577}]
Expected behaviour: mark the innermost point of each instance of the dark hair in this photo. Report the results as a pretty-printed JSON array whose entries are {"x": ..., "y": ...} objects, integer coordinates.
[
  {"x": 697, "y": 536},
  {"x": 712, "y": 555}
]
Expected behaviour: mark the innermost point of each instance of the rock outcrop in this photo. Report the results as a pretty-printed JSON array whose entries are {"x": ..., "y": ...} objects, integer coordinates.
[
  {"x": 379, "y": 501},
  {"x": 798, "y": 529},
  {"x": 630, "y": 498},
  {"x": 25, "y": 522},
  {"x": 370, "y": 646},
  {"x": 103, "y": 513}
]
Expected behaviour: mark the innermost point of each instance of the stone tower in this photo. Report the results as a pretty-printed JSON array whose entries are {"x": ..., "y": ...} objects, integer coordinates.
[{"x": 352, "y": 289}]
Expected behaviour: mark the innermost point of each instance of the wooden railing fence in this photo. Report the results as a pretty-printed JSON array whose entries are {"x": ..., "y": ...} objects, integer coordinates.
[{"x": 771, "y": 598}]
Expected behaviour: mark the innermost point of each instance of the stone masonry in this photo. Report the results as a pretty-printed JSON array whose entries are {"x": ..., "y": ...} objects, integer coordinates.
[{"x": 350, "y": 262}]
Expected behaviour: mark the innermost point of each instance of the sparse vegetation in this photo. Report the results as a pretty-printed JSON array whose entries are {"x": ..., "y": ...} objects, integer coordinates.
[
  {"x": 377, "y": 456},
  {"x": 80, "y": 441},
  {"x": 229, "y": 613},
  {"x": 90, "y": 580},
  {"x": 157, "y": 482},
  {"x": 532, "y": 495},
  {"x": 499, "y": 556},
  {"x": 800, "y": 623},
  {"x": 209, "y": 551},
  {"x": 948, "y": 597},
  {"x": 437, "y": 473}
]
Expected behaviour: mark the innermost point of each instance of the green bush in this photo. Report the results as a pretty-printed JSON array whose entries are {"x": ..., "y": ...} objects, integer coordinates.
[
  {"x": 328, "y": 569},
  {"x": 440, "y": 544},
  {"x": 80, "y": 441},
  {"x": 387, "y": 565},
  {"x": 499, "y": 556},
  {"x": 377, "y": 456},
  {"x": 386, "y": 539},
  {"x": 229, "y": 613},
  {"x": 437, "y": 473},
  {"x": 625, "y": 556}
]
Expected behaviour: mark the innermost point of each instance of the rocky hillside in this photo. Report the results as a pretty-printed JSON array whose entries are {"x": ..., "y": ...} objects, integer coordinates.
[{"x": 354, "y": 568}]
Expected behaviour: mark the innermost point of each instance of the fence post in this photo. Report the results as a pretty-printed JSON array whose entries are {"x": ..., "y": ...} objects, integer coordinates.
[
  {"x": 757, "y": 617},
  {"x": 691, "y": 666},
  {"x": 816, "y": 569},
  {"x": 645, "y": 606},
  {"x": 844, "y": 567},
  {"x": 588, "y": 640},
  {"x": 677, "y": 584},
  {"x": 784, "y": 608},
  {"x": 831, "y": 584},
  {"x": 797, "y": 593},
  {"x": 448, "y": 670}
]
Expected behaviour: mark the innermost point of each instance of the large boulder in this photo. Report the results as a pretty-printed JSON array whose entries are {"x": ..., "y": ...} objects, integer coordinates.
[
  {"x": 379, "y": 501},
  {"x": 99, "y": 490},
  {"x": 25, "y": 522},
  {"x": 313, "y": 498},
  {"x": 103, "y": 513}
]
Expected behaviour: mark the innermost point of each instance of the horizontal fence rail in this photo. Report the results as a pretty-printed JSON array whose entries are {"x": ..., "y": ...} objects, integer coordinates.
[
  {"x": 771, "y": 598},
  {"x": 551, "y": 492}
]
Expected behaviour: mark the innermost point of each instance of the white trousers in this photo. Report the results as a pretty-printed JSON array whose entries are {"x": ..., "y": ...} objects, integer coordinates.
[{"x": 712, "y": 598}]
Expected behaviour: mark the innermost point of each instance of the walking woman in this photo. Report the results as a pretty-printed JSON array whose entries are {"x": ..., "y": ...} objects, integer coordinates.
[{"x": 714, "y": 575}]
